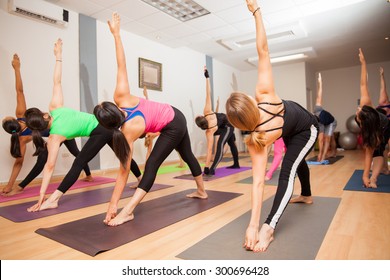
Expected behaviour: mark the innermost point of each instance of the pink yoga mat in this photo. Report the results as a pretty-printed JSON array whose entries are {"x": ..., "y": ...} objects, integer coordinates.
[{"x": 34, "y": 190}]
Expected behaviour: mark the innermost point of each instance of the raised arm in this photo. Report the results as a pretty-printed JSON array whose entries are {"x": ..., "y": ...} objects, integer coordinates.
[
  {"x": 217, "y": 106},
  {"x": 383, "y": 97},
  {"x": 146, "y": 93},
  {"x": 207, "y": 106},
  {"x": 265, "y": 83},
  {"x": 122, "y": 84},
  {"x": 364, "y": 93},
  {"x": 57, "y": 99},
  {"x": 20, "y": 99},
  {"x": 319, "y": 90}
]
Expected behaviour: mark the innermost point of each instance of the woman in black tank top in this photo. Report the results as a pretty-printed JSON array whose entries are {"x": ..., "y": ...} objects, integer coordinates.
[
  {"x": 216, "y": 124},
  {"x": 268, "y": 118}
]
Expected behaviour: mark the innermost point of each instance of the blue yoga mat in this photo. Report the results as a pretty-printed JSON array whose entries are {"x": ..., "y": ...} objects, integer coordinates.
[{"x": 355, "y": 183}]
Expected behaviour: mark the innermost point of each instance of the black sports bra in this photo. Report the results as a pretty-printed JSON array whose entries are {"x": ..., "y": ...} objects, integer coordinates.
[
  {"x": 213, "y": 113},
  {"x": 278, "y": 114}
]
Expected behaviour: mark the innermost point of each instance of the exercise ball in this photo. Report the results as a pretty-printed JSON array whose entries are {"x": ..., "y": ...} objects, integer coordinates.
[
  {"x": 348, "y": 141},
  {"x": 352, "y": 125}
]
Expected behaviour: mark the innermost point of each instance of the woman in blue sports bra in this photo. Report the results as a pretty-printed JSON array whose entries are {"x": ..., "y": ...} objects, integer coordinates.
[
  {"x": 268, "y": 118},
  {"x": 21, "y": 135}
]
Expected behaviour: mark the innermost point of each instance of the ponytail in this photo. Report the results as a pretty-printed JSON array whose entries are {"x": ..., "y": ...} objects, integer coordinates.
[
  {"x": 36, "y": 121},
  {"x": 13, "y": 127},
  {"x": 39, "y": 143},
  {"x": 111, "y": 118},
  {"x": 243, "y": 114},
  {"x": 121, "y": 147}
]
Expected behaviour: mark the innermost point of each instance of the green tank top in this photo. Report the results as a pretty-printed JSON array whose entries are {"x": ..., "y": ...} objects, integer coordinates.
[{"x": 72, "y": 123}]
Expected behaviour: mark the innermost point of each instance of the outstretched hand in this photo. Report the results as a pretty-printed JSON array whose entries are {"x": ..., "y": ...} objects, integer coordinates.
[
  {"x": 252, "y": 5},
  {"x": 16, "y": 62},
  {"x": 381, "y": 71},
  {"x": 58, "y": 48},
  {"x": 111, "y": 213},
  {"x": 115, "y": 24},
  {"x": 206, "y": 73}
]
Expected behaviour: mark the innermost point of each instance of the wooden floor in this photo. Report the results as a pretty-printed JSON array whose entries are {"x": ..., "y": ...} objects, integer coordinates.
[{"x": 360, "y": 229}]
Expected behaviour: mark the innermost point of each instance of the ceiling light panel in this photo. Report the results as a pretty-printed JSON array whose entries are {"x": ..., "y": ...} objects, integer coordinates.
[{"x": 183, "y": 10}]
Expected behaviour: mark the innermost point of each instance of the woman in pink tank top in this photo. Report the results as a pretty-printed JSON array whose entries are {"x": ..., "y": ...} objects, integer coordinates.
[{"x": 131, "y": 118}]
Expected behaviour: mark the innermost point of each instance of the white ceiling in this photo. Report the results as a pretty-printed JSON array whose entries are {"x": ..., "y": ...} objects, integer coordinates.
[{"x": 331, "y": 37}]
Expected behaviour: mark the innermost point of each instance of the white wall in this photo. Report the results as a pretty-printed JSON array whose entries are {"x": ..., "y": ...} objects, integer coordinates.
[{"x": 33, "y": 42}]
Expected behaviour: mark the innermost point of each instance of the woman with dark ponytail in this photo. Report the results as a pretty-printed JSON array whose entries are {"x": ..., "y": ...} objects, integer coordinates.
[
  {"x": 268, "y": 118},
  {"x": 135, "y": 117},
  {"x": 375, "y": 130},
  {"x": 21, "y": 135},
  {"x": 65, "y": 123}
]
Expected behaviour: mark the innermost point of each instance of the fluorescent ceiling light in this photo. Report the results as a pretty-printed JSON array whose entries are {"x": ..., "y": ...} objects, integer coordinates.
[
  {"x": 182, "y": 10},
  {"x": 286, "y": 56}
]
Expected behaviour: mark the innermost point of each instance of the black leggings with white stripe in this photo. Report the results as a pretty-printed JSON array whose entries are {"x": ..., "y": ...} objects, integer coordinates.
[
  {"x": 298, "y": 146},
  {"x": 226, "y": 136}
]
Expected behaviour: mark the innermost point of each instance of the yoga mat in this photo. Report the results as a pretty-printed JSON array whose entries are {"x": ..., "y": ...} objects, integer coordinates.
[
  {"x": 273, "y": 181},
  {"x": 313, "y": 160},
  {"x": 355, "y": 183},
  {"x": 34, "y": 190},
  {"x": 298, "y": 236},
  {"x": 219, "y": 173},
  {"x": 171, "y": 168},
  {"x": 91, "y": 236},
  {"x": 227, "y": 159},
  {"x": 18, "y": 213}
]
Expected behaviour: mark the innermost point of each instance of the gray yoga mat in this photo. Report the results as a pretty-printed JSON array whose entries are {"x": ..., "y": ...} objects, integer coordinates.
[
  {"x": 298, "y": 235},
  {"x": 91, "y": 236},
  {"x": 273, "y": 181},
  {"x": 18, "y": 212}
]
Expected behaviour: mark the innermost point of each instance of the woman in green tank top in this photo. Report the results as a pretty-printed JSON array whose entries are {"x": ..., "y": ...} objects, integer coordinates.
[{"x": 65, "y": 123}]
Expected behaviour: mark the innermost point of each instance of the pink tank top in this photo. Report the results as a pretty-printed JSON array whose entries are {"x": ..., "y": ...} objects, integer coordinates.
[{"x": 156, "y": 115}]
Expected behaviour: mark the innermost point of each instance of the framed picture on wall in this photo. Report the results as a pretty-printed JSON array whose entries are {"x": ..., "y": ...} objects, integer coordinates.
[{"x": 149, "y": 74}]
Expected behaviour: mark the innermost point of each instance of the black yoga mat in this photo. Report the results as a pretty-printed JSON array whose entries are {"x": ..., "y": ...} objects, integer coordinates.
[
  {"x": 91, "y": 236},
  {"x": 298, "y": 236},
  {"x": 355, "y": 183},
  {"x": 18, "y": 212}
]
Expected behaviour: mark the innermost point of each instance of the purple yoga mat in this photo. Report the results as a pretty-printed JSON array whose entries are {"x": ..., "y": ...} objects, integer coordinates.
[
  {"x": 18, "y": 213},
  {"x": 34, "y": 190},
  {"x": 91, "y": 236},
  {"x": 219, "y": 173}
]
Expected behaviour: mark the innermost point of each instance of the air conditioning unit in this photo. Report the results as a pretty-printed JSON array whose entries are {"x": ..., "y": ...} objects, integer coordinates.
[{"x": 39, "y": 10}]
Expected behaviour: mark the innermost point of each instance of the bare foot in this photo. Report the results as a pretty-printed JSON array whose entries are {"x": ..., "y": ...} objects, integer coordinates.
[
  {"x": 121, "y": 218},
  {"x": 302, "y": 199},
  {"x": 88, "y": 178},
  {"x": 14, "y": 191},
  {"x": 266, "y": 236},
  {"x": 198, "y": 194},
  {"x": 385, "y": 171},
  {"x": 266, "y": 178},
  {"x": 6, "y": 190},
  {"x": 49, "y": 204}
]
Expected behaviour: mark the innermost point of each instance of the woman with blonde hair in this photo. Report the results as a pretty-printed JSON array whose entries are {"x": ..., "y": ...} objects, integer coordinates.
[{"x": 268, "y": 118}]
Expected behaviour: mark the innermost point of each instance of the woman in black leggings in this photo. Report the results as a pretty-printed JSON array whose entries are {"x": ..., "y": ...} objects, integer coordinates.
[
  {"x": 216, "y": 124},
  {"x": 21, "y": 135},
  {"x": 135, "y": 117},
  {"x": 269, "y": 118}
]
